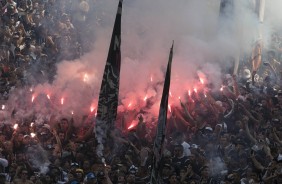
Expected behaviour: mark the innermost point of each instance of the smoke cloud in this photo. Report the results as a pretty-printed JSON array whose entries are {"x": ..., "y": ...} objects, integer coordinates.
[{"x": 203, "y": 45}]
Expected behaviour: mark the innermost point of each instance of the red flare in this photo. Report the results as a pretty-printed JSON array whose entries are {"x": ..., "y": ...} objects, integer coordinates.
[
  {"x": 48, "y": 96},
  {"x": 195, "y": 89},
  {"x": 3, "y": 107},
  {"x": 132, "y": 125},
  {"x": 169, "y": 108},
  {"x": 31, "y": 124},
  {"x": 32, "y": 135},
  {"x": 85, "y": 77},
  {"x": 71, "y": 112},
  {"x": 92, "y": 109},
  {"x": 202, "y": 81},
  {"x": 145, "y": 98},
  {"x": 221, "y": 89},
  {"x": 32, "y": 98},
  {"x": 189, "y": 92},
  {"x": 129, "y": 105},
  {"x": 62, "y": 101},
  {"x": 16, "y": 126}
]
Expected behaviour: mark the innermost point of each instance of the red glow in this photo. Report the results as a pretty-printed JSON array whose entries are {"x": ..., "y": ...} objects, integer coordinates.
[
  {"x": 129, "y": 105},
  {"x": 195, "y": 89},
  {"x": 62, "y": 101},
  {"x": 92, "y": 109},
  {"x": 48, "y": 96}
]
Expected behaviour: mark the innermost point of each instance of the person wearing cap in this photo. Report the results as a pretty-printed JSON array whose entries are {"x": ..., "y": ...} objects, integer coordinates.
[{"x": 90, "y": 178}]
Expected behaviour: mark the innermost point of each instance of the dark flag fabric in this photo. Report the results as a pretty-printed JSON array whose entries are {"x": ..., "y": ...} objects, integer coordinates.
[
  {"x": 226, "y": 8},
  {"x": 108, "y": 97},
  {"x": 161, "y": 127}
]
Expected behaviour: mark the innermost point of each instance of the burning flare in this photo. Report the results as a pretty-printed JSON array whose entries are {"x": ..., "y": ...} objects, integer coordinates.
[
  {"x": 32, "y": 98},
  {"x": 62, "y": 101},
  {"x": 16, "y": 126},
  {"x": 48, "y": 96},
  {"x": 92, "y": 109}
]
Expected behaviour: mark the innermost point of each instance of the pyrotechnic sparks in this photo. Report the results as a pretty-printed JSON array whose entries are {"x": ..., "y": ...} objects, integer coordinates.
[{"x": 16, "y": 126}]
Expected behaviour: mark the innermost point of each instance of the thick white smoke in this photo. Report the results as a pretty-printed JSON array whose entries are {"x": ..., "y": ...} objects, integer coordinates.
[{"x": 202, "y": 45}]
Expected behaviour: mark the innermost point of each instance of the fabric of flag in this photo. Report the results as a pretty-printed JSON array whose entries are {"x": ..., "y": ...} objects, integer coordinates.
[
  {"x": 226, "y": 9},
  {"x": 108, "y": 97},
  {"x": 161, "y": 127}
]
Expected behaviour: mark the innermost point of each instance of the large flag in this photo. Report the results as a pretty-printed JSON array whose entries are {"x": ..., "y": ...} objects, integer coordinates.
[
  {"x": 108, "y": 97},
  {"x": 161, "y": 129}
]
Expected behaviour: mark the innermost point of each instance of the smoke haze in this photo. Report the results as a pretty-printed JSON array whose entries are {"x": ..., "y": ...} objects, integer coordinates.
[{"x": 203, "y": 45}]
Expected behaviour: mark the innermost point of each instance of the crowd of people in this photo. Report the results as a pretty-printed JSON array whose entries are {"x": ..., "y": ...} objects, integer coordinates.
[{"x": 229, "y": 135}]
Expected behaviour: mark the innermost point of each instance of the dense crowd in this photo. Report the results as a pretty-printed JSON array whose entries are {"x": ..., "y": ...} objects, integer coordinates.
[{"x": 229, "y": 135}]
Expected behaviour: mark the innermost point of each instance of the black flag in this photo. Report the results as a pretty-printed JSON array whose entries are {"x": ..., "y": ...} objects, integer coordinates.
[
  {"x": 161, "y": 129},
  {"x": 108, "y": 97}
]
